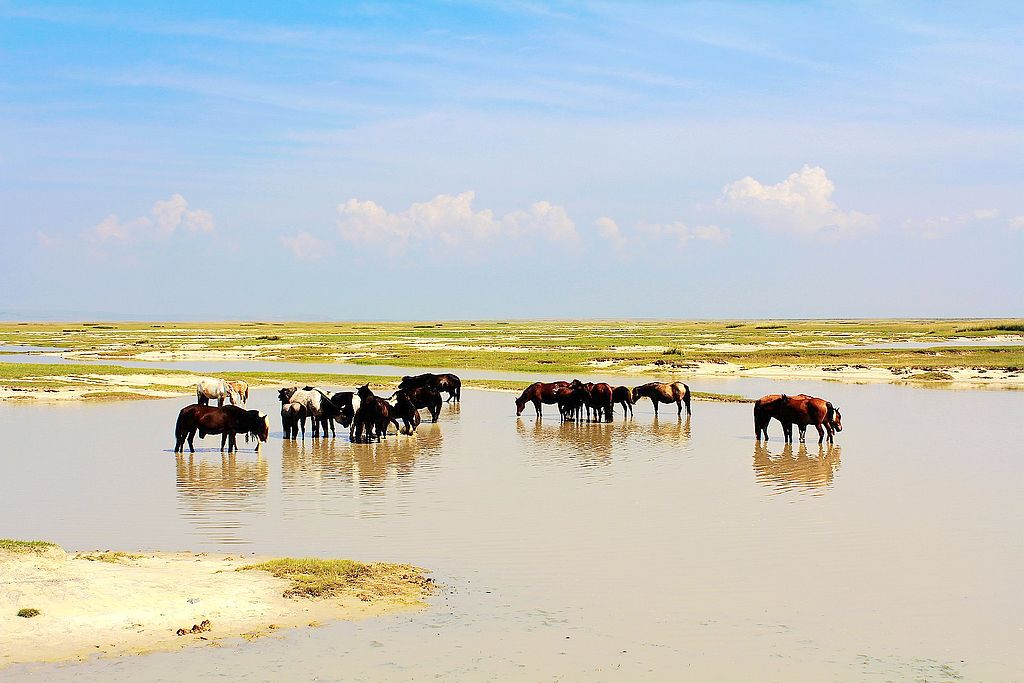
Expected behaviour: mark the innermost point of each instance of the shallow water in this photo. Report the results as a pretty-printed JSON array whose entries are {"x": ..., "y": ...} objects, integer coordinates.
[{"x": 636, "y": 550}]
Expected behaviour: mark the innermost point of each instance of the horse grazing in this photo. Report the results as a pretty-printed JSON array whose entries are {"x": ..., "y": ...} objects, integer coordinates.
[
  {"x": 539, "y": 393},
  {"x": 372, "y": 418},
  {"x": 624, "y": 396},
  {"x": 664, "y": 392},
  {"x": 293, "y": 415},
  {"x": 214, "y": 388},
  {"x": 601, "y": 401},
  {"x": 424, "y": 397},
  {"x": 570, "y": 402},
  {"x": 445, "y": 382},
  {"x": 226, "y": 421},
  {"x": 403, "y": 409},
  {"x": 240, "y": 389},
  {"x": 801, "y": 410},
  {"x": 318, "y": 406}
]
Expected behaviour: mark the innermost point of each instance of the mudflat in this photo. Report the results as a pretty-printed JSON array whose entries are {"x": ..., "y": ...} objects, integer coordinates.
[{"x": 77, "y": 605}]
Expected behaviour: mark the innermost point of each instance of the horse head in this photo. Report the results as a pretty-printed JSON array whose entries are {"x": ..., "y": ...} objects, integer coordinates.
[
  {"x": 364, "y": 392},
  {"x": 520, "y": 404},
  {"x": 285, "y": 395},
  {"x": 837, "y": 419}
]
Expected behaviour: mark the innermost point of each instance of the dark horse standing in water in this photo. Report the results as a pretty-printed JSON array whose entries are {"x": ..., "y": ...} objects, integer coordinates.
[
  {"x": 664, "y": 392},
  {"x": 538, "y": 393},
  {"x": 446, "y": 382},
  {"x": 624, "y": 396},
  {"x": 801, "y": 410},
  {"x": 226, "y": 421}
]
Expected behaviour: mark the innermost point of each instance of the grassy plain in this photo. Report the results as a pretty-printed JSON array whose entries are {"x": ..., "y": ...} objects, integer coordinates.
[{"x": 860, "y": 350}]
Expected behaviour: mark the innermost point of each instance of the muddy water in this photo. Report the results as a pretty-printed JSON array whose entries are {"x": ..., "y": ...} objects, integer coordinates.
[{"x": 637, "y": 550}]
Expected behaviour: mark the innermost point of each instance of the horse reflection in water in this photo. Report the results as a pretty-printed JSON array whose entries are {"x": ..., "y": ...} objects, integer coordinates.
[
  {"x": 369, "y": 466},
  {"x": 218, "y": 491},
  {"x": 788, "y": 470},
  {"x": 592, "y": 443}
]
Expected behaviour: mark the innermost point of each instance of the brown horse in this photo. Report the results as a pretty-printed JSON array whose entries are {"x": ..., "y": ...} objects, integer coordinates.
[
  {"x": 801, "y": 410},
  {"x": 372, "y": 418},
  {"x": 405, "y": 410},
  {"x": 226, "y": 421},
  {"x": 664, "y": 392},
  {"x": 538, "y": 393},
  {"x": 624, "y": 396},
  {"x": 601, "y": 401}
]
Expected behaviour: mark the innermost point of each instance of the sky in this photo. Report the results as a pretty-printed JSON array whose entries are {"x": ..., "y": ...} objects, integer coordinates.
[{"x": 511, "y": 159}]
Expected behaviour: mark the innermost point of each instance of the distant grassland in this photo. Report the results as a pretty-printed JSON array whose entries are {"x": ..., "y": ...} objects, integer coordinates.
[{"x": 566, "y": 347}]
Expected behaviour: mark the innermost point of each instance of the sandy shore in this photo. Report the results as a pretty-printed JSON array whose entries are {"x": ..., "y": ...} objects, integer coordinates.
[{"x": 132, "y": 604}]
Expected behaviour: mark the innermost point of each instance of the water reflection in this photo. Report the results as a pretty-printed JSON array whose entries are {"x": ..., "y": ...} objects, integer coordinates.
[
  {"x": 366, "y": 466},
  {"x": 800, "y": 470},
  {"x": 592, "y": 443},
  {"x": 217, "y": 492}
]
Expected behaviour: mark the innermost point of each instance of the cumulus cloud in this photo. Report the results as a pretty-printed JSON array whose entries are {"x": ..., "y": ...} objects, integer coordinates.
[
  {"x": 802, "y": 204},
  {"x": 304, "y": 246},
  {"x": 171, "y": 214},
  {"x": 609, "y": 231},
  {"x": 450, "y": 220},
  {"x": 1017, "y": 223},
  {"x": 166, "y": 217}
]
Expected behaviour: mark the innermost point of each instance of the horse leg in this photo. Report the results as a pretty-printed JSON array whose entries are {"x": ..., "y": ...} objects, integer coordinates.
[
  {"x": 536, "y": 406},
  {"x": 223, "y": 440},
  {"x": 686, "y": 400},
  {"x": 191, "y": 436},
  {"x": 654, "y": 401},
  {"x": 679, "y": 408},
  {"x": 821, "y": 433}
]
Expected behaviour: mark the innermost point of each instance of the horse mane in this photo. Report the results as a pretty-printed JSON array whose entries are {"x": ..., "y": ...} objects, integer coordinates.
[{"x": 829, "y": 412}]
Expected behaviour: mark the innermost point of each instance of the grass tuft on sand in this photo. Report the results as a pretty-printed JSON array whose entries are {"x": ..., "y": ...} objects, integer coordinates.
[
  {"x": 29, "y": 612},
  {"x": 931, "y": 377},
  {"x": 111, "y": 556},
  {"x": 11, "y": 545},
  {"x": 317, "y": 578}
]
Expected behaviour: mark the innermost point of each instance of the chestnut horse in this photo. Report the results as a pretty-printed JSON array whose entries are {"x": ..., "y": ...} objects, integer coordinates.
[
  {"x": 801, "y": 410},
  {"x": 664, "y": 392},
  {"x": 538, "y": 393}
]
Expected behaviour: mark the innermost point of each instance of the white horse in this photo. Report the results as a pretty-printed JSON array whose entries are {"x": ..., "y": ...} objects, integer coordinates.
[
  {"x": 240, "y": 388},
  {"x": 214, "y": 388}
]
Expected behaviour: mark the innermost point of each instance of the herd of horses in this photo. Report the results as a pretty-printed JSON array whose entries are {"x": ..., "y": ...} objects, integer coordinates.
[{"x": 368, "y": 416}]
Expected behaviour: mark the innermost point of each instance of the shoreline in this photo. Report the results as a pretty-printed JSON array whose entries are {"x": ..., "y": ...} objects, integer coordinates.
[{"x": 111, "y": 604}]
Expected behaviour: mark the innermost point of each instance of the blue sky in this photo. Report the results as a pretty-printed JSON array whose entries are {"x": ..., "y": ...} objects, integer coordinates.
[{"x": 511, "y": 159}]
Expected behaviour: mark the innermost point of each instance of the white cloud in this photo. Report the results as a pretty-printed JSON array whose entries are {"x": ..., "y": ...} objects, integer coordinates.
[
  {"x": 110, "y": 228},
  {"x": 609, "y": 230},
  {"x": 305, "y": 247},
  {"x": 1017, "y": 223},
  {"x": 450, "y": 220},
  {"x": 683, "y": 234},
  {"x": 167, "y": 216},
  {"x": 802, "y": 203},
  {"x": 943, "y": 226},
  {"x": 170, "y": 214}
]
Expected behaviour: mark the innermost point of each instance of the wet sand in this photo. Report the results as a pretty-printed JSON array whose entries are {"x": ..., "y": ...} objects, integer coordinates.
[{"x": 96, "y": 604}]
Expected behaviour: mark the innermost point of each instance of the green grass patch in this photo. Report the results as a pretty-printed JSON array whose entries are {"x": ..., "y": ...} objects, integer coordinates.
[
  {"x": 13, "y": 546},
  {"x": 314, "y": 578}
]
